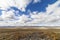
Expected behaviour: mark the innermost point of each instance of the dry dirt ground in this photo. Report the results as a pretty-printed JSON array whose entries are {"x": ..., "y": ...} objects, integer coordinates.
[{"x": 29, "y": 34}]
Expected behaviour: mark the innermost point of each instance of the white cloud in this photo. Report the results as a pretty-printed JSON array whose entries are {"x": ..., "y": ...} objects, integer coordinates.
[
  {"x": 6, "y": 3},
  {"x": 49, "y": 18},
  {"x": 35, "y": 1},
  {"x": 7, "y": 15},
  {"x": 21, "y": 4}
]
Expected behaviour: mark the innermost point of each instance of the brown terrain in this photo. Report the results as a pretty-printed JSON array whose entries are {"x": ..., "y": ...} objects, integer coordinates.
[{"x": 29, "y": 34}]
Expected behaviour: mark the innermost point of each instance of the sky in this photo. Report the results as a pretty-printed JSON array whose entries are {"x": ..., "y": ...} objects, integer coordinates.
[{"x": 29, "y": 12}]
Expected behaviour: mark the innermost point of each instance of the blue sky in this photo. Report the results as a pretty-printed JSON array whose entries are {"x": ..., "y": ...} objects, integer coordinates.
[
  {"x": 31, "y": 12},
  {"x": 39, "y": 6}
]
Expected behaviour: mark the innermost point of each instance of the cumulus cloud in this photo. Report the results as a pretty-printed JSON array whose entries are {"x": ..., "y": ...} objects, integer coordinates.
[
  {"x": 21, "y": 4},
  {"x": 35, "y": 1},
  {"x": 49, "y": 18},
  {"x": 6, "y": 3},
  {"x": 7, "y": 15}
]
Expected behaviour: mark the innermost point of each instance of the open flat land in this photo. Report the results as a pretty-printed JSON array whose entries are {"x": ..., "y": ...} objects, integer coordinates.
[{"x": 29, "y": 34}]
